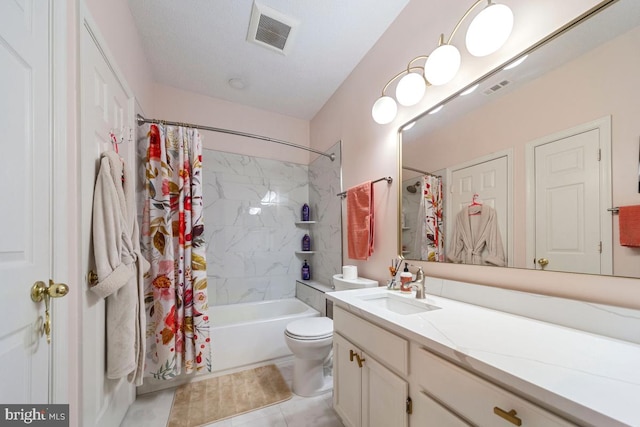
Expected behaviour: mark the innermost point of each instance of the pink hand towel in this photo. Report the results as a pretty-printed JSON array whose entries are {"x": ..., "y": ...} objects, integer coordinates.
[
  {"x": 629, "y": 224},
  {"x": 360, "y": 221}
]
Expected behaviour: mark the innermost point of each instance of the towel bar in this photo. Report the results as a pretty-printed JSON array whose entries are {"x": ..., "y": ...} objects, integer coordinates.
[{"x": 386, "y": 178}]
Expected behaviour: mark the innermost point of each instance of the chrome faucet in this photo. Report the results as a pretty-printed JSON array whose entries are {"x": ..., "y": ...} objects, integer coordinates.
[{"x": 419, "y": 283}]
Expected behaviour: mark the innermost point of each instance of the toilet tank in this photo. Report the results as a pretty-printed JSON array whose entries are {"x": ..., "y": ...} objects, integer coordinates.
[{"x": 342, "y": 284}]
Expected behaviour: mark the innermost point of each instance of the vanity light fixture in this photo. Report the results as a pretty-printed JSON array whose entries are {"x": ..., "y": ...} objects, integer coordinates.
[
  {"x": 487, "y": 32},
  {"x": 410, "y": 89}
]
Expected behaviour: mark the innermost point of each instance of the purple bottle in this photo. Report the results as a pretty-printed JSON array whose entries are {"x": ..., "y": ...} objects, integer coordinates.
[
  {"x": 306, "y": 243},
  {"x": 306, "y": 271},
  {"x": 306, "y": 214}
]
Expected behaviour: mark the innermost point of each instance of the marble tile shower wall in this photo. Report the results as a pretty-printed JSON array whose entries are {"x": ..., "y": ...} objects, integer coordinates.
[
  {"x": 251, "y": 205},
  {"x": 325, "y": 182},
  {"x": 410, "y": 210}
]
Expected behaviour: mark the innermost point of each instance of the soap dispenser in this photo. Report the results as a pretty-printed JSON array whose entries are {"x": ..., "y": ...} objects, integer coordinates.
[
  {"x": 306, "y": 271},
  {"x": 306, "y": 243},
  {"x": 405, "y": 279},
  {"x": 306, "y": 214}
]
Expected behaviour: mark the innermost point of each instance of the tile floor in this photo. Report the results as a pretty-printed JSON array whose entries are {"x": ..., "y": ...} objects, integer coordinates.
[{"x": 152, "y": 410}]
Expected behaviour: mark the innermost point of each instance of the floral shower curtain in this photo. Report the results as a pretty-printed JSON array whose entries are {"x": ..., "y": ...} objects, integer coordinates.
[
  {"x": 173, "y": 242},
  {"x": 430, "y": 241}
]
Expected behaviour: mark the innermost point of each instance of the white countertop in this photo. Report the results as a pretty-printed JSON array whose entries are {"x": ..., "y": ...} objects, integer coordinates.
[{"x": 586, "y": 377}]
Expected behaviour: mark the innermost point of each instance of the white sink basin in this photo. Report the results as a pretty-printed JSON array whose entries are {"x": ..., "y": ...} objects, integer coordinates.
[{"x": 398, "y": 304}]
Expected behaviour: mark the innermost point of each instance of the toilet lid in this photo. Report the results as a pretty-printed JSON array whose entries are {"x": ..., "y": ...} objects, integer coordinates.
[{"x": 310, "y": 328}]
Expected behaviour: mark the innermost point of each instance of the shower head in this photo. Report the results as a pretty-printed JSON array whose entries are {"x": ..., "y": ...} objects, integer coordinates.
[{"x": 413, "y": 188}]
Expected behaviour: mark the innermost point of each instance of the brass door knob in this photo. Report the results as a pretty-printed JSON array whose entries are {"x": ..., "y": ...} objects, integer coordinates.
[
  {"x": 543, "y": 262},
  {"x": 40, "y": 291}
]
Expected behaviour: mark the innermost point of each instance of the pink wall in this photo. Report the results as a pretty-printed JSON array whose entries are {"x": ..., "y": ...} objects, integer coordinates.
[
  {"x": 179, "y": 105},
  {"x": 563, "y": 98},
  {"x": 370, "y": 150}
]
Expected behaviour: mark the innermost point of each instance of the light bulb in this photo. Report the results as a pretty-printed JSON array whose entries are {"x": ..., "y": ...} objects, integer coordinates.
[
  {"x": 384, "y": 110},
  {"x": 442, "y": 65},
  {"x": 410, "y": 89},
  {"x": 489, "y": 30}
]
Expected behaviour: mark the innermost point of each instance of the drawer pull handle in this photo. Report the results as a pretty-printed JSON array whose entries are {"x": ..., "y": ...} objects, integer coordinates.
[
  {"x": 509, "y": 416},
  {"x": 351, "y": 355},
  {"x": 360, "y": 360}
]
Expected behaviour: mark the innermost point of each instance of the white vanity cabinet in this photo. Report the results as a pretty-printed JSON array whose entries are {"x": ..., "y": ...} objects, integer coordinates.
[
  {"x": 462, "y": 398},
  {"x": 471, "y": 365},
  {"x": 367, "y": 392}
]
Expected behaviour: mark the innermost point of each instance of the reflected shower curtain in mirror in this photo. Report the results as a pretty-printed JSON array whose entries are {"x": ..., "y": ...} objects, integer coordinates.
[
  {"x": 430, "y": 238},
  {"x": 173, "y": 242}
]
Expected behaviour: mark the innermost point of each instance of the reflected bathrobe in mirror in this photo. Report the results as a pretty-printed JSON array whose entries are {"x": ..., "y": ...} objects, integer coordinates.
[{"x": 476, "y": 229}]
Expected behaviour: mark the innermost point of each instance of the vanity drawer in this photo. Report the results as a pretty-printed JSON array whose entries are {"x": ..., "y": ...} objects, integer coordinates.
[
  {"x": 474, "y": 398},
  {"x": 385, "y": 346}
]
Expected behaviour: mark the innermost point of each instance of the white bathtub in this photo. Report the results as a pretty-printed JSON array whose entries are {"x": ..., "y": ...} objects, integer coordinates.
[
  {"x": 250, "y": 333},
  {"x": 243, "y": 335}
]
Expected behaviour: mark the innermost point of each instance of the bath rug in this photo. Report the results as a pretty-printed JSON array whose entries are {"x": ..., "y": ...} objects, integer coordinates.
[{"x": 203, "y": 402}]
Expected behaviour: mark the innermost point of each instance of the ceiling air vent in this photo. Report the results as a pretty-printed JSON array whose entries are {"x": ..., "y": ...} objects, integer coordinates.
[
  {"x": 496, "y": 87},
  {"x": 271, "y": 29}
]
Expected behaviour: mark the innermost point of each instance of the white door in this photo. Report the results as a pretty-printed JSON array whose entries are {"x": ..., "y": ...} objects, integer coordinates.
[
  {"x": 25, "y": 177},
  {"x": 104, "y": 107},
  {"x": 489, "y": 178},
  {"x": 567, "y": 201}
]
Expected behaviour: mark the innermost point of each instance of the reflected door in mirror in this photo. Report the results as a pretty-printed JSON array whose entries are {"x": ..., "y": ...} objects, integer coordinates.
[
  {"x": 567, "y": 200},
  {"x": 488, "y": 178}
]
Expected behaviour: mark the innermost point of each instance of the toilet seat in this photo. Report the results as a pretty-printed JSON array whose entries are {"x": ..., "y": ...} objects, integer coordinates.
[{"x": 310, "y": 329}]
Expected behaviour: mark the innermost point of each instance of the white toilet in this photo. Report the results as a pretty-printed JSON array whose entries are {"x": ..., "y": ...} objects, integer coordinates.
[{"x": 311, "y": 341}]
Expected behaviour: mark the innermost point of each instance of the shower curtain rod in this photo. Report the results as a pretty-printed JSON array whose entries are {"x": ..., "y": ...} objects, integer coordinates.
[
  {"x": 142, "y": 120},
  {"x": 419, "y": 171}
]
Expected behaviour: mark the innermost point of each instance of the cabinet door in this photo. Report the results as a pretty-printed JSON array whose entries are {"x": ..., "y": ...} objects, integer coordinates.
[
  {"x": 429, "y": 413},
  {"x": 347, "y": 382},
  {"x": 384, "y": 396}
]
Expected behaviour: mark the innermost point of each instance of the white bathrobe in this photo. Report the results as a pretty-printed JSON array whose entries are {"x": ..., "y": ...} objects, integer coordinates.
[
  {"x": 473, "y": 233},
  {"x": 120, "y": 268}
]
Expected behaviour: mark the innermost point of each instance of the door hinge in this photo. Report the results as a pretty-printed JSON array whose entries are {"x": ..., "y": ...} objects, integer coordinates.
[
  {"x": 599, "y": 154},
  {"x": 409, "y": 406},
  {"x": 600, "y": 247}
]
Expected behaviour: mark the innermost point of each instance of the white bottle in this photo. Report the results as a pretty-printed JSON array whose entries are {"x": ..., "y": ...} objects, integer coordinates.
[{"x": 405, "y": 279}]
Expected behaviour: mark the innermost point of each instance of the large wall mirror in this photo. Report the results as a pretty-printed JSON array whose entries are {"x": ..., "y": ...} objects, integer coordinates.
[{"x": 535, "y": 160}]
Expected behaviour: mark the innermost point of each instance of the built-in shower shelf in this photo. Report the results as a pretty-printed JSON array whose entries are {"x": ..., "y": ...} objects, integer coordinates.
[
  {"x": 306, "y": 252},
  {"x": 304, "y": 222}
]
